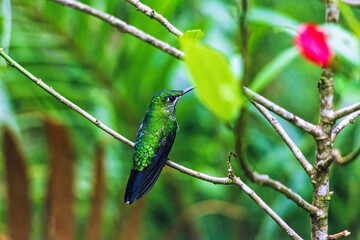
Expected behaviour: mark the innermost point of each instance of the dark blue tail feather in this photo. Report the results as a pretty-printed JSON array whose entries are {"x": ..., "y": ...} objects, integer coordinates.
[{"x": 133, "y": 186}]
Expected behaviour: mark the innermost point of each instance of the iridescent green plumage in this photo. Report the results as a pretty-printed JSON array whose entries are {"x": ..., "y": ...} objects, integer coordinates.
[{"x": 153, "y": 143}]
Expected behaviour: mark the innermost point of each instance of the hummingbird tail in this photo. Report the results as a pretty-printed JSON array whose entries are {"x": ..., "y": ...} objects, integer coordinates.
[
  {"x": 133, "y": 186},
  {"x": 140, "y": 182}
]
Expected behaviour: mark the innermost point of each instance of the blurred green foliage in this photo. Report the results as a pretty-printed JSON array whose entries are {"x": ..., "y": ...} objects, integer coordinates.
[
  {"x": 218, "y": 89},
  {"x": 113, "y": 76}
]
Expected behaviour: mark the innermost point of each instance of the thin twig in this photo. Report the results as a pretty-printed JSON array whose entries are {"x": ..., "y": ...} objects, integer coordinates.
[
  {"x": 199, "y": 175},
  {"x": 260, "y": 179},
  {"x": 244, "y": 37},
  {"x": 265, "y": 180},
  {"x": 237, "y": 181},
  {"x": 347, "y": 159},
  {"x": 349, "y": 119},
  {"x": 344, "y": 233},
  {"x": 63, "y": 100},
  {"x": 290, "y": 117},
  {"x": 266, "y": 208},
  {"x": 216, "y": 180},
  {"x": 122, "y": 26},
  {"x": 346, "y": 111},
  {"x": 309, "y": 169},
  {"x": 154, "y": 15}
]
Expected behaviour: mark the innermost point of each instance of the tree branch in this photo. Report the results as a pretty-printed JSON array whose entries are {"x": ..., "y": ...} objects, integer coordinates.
[
  {"x": 263, "y": 179},
  {"x": 346, "y": 110},
  {"x": 232, "y": 179},
  {"x": 344, "y": 233},
  {"x": 309, "y": 169},
  {"x": 290, "y": 117},
  {"x": 266, "y": 208},
  {"x": 347, "y": 159},
  {"x": 324, "y": 157},
  {"x": 260, "y": 179},
  {"x": 122, "y": 26},
  {"x": 349, "y": 119},
  {"x": 199, "y": 175},
  {"x": 154, "y": 15},
  {"x": 65, "y": 101},
  {"x": 237, "y": 181}
]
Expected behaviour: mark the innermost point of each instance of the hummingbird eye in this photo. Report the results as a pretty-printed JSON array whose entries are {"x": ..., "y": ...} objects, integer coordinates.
[{"x": 171, "y": 99}]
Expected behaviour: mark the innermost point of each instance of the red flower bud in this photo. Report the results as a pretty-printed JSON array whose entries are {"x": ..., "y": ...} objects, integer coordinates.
[{"x": 311, "y": 42}]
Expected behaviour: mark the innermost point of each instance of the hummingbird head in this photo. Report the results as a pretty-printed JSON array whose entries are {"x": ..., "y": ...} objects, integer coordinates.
[{"x": 166, "y": 100}]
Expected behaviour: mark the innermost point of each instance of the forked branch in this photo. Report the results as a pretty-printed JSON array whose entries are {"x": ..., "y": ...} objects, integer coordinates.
[
  {"x": 154, "y": 15},
  {"x": 349, "y": 119},
  {"x": 309, "y": 169},
  {"x": 263, "y": 179},
  {"x": 231, "y": 179},
  {"x": 290, "y": 117},
  {"x": 122, "y": 26}
]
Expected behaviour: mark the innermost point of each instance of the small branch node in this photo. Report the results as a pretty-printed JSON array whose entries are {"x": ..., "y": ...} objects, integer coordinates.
[
  {"x": 344, "y": 233},
  {"x": 230, "y": 170},
  {"x": 126, "y": 28}
]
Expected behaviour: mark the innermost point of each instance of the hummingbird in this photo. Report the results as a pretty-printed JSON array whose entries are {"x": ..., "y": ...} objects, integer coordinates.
[{"x": 154, "y": 140}]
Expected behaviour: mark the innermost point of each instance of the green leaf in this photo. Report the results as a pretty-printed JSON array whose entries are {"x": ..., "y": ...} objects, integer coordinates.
[
  {"x": 216, "y": 85},
  {"x": 273, "y": 68},
  {"x": 192, "y": 36}
]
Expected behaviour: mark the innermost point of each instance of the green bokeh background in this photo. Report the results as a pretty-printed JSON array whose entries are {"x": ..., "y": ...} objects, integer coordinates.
[{"x": 113, "y": 76}]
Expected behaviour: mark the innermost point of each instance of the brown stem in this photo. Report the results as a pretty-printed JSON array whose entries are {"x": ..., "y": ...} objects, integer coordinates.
[
  {"x": 344, "y": 233},
  {"x": 338, "y": 128},
  {"x": 122, "y": 26},
  {"x": 347, "y": 159},
  {"x": 289, "y": 142},
  {"x": 320, "y": 179},
  {"x": 346, "y": 110}
]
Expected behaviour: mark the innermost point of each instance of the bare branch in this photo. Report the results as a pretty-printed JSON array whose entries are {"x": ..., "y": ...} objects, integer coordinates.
[
  {"x": 349, "y": 119},
  {"x": 65, "y": 101},
  {"x": 290, "y": 117},
  {"x": 122, "y": 26},
  {"x": 344, "y": 233},
  {"x": 232, "y": 179},
  {"x": 266, "y": 208},
  {"x": 347, "y": 110},
  {"x": 347, "y": 159},
  {"x": 237, "y": 181},
  {"x": 199, "y": 175},
  {"x": 289, "y": 142},
  {"x": 263, "y": 179},
  {"x": 154, "y": 15}
]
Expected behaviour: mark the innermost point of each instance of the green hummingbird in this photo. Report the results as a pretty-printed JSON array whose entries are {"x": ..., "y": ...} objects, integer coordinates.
[{"x": 154, "y": 139}]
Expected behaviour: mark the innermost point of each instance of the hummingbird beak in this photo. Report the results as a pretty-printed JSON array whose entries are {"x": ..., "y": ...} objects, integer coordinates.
[{"x": 186, "y": 90}]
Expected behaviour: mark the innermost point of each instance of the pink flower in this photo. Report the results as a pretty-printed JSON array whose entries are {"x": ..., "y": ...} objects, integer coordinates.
[{"x": 311, "y": 42}]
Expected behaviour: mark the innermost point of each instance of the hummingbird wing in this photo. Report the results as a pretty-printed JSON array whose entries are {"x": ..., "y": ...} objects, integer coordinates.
[
  {"x": 157, "y": 164},
  {"x": 141, "y": 181}
]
